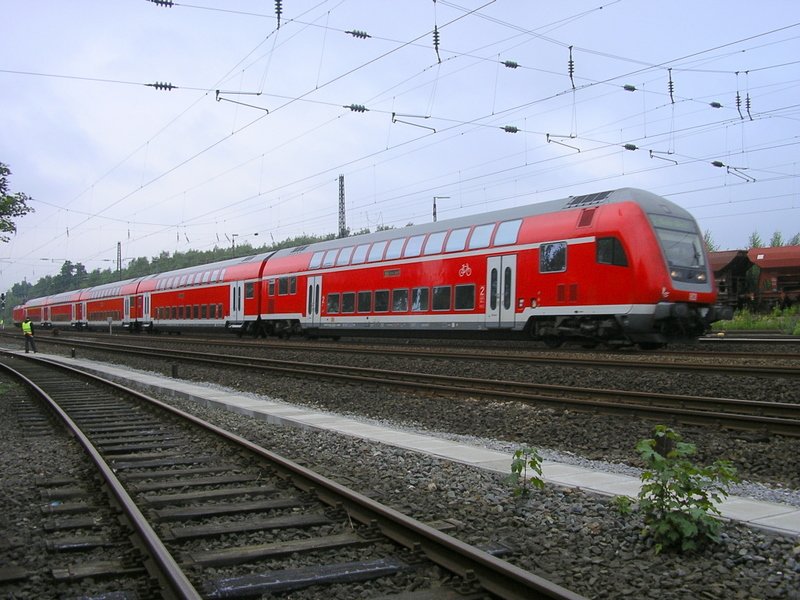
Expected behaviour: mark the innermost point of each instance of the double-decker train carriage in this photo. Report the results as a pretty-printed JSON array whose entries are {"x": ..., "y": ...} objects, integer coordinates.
[{"x": 617, "y": 267}]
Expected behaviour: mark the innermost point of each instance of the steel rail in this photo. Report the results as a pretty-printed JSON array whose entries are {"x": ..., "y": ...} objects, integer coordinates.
[
  {"x": 781, "y": 418},
  {"x": 592, "y": 360},
  {"x": 169, "y": 572},
  {"x": 494, "y": 574}
]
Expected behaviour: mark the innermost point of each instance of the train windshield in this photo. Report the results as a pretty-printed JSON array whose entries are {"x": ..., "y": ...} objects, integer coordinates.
[{"x": 682, "y": 246}]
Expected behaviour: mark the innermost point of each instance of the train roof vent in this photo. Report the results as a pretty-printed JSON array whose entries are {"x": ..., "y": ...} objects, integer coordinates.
[{"x": 588, "y": 199}]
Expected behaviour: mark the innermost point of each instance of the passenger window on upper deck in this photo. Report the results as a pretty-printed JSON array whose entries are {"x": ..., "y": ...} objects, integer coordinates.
[
  {"x": 457, "y": 240},
  {"x": 481, "y": 236},
  {"x": 344, "y": 256},
  {"x": 507, "y": 232},
  {"x": 414, "y": 246},
  {"x": 434, "y": 243},
  {"x": 376, "y": 252},
  {"x": 316, "y": 260},
  {"x": 360, "y": 255},
  {"x": 330, "y": 258},
  {"x": 215, "y": 275},
  {"x": 395, "y": 246}
]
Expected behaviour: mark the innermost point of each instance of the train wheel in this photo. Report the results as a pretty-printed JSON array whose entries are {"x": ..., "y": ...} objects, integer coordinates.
[{"x": 552, "y": 341}]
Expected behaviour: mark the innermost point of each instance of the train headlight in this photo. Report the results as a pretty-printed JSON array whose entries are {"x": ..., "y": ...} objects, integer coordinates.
[{"x": 701, "y": 277}]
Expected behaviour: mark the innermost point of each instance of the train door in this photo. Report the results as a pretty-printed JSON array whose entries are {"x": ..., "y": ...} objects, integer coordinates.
[
  {"x": 126, "y": 318},
  {"x": 501, "y": 275},
  {"x": 237, "y": 294},
  {"x": 314, "y": 301},
  {"x": 145, "y": 299}
]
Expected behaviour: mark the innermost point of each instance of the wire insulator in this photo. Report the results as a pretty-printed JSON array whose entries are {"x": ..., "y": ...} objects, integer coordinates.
[
  {"x": 356, "y": 107},
  {"x": 161, "y": 85},
  {"x": 629, "y": 88},
  {"x": 739, "y": 104},
  {"x": 279, "y": 11},
  {"x": 511, "y": 64},
  {"x": 511, "y": 129},
  {"x": 671, "y": 87},
  {"x": 631, "y": 147},
  {"x": 436, "y": 41},
  {"x": 357, "y": 33},
  {"x": 167, "y": 3},
  {"x": 747, "y": 105},
  {"x": 571, "y": 68}
]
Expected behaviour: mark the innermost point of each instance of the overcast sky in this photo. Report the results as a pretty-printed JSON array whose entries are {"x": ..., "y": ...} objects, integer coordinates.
[{"x": 250, "y": 143}]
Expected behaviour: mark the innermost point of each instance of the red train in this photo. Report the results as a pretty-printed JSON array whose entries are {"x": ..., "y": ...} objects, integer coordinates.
[{"x": 617, "y": 267}]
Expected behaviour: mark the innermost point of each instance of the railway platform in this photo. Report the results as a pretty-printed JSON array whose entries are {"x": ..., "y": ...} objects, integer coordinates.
[{"x": 772, "y": 516}]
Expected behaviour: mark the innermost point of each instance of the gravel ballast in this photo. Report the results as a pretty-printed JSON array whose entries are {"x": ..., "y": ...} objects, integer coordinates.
[{"x": 574, "y": 538}]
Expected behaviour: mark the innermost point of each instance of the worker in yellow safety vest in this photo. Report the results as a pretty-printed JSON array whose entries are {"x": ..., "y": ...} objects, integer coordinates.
[{"x": 27, "y": 331}]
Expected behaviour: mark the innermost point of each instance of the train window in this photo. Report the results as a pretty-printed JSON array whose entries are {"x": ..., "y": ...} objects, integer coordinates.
[
  {"x": 215, "y": 276},
  {"x": 330, "y": 258},
  {"x": 271, "y": 287},
  {"x": 183, "y": 281},
  {"x": 394, "y": 249},
  {"x": 206, "y": 275},
  {"x": 419, "y": 299},
  {"x": 212, "y": 311},
  {"x": 376, "y": 253},
  {"x": 283, "y": 286},
  {"x": 173, "y": 312},
  {"x": 219, "y": 310},
  {"x": 481, "y": 236},
  {"x": 399, "y": 300},
  {"x": 553, "y": 257},
  {"x": 414, "y": 246},
  {"x": 457, "y": 240},
  {"x": 180, "y": 312},
  {"x": 316, "y": 260},
  {"x": 249, "y": 290},
  {"x": 333, "y": 303},
  {"x": 507, "y": 232},
  {"x": 507, "y": 288},
  {"x": 465, "y": 297},
  {"x": 493, "y": 285},
  {"x": 382, "y": 301},
  {"x": 349, "y": 302},
  {"x": 441, "y": 297},
  {"x": 360, "y": 254},
  {"x": 204, "y": 311},
  {"x": 364, "y": 302},
  {"x": 292, "y": 285},
  {"x": 344, "y": 256},
  {"x": 434, "y": 243},
  {"x": 196, "y": 311},
  {"x": 611, "y": 252}
]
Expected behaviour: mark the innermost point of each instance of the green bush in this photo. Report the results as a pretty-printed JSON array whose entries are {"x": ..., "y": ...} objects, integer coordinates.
[
  {"x": 526, "y": 459},
  {"x": 786, "y": 320},
  {"x": 677, "y": 498}
]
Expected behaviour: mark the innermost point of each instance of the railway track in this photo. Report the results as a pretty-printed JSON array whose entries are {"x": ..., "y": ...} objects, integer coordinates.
[
  {"x": 774, "y": 417},
  {"x": 778, "y": 364},
  {"x": 219, "y": 517}
]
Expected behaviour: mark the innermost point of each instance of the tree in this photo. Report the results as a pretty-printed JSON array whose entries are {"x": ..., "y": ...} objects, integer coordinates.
[
  {"x": 777, "y": 240},
  {"x": 709, "y": 241},
  {"x": 11, "y": 205},
  {"x": 755, "y": 241},
  {"x": 795, "y": 241}
]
